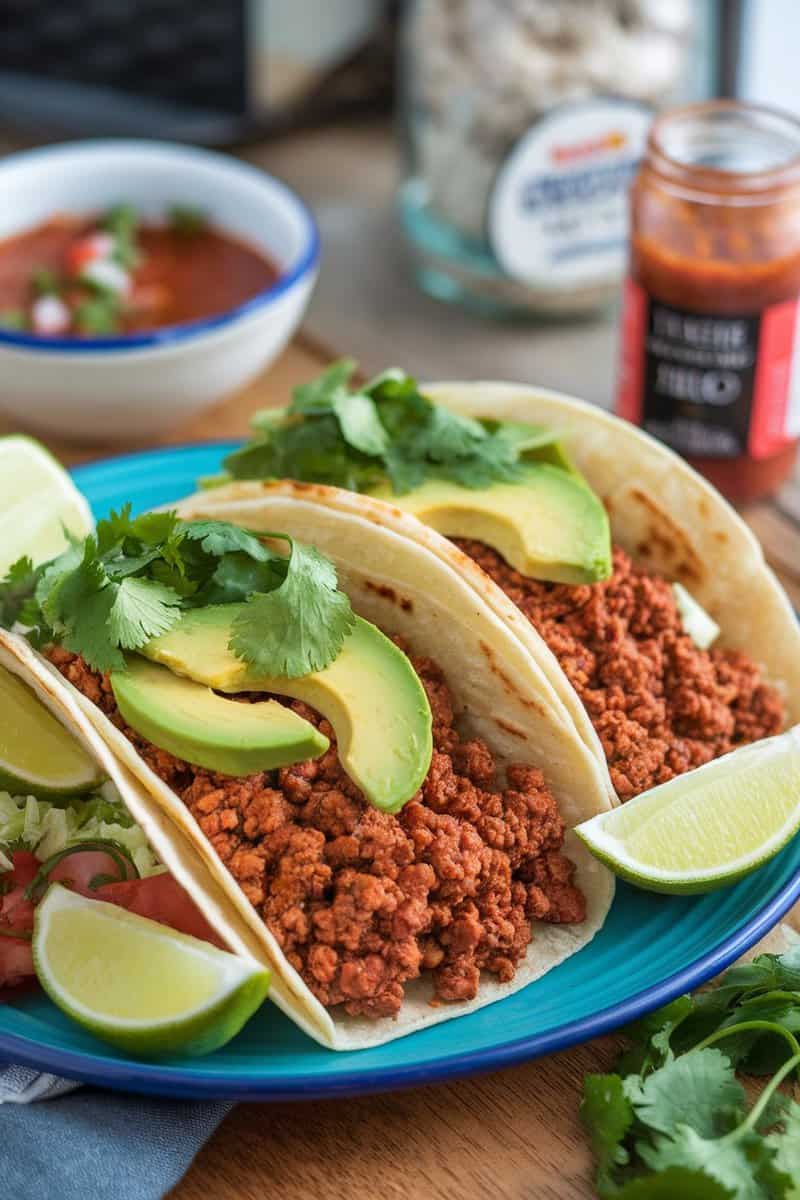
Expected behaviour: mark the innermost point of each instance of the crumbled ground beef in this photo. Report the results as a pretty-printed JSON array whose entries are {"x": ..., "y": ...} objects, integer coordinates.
[
  {"x": 659, "y": 704},
  {"x": 362, "y": 901}
]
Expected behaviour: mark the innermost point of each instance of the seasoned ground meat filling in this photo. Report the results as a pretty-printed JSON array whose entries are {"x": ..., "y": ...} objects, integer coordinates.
[
  {"x": 659, "y": 704},
  {"x": 362, "y": 901}
]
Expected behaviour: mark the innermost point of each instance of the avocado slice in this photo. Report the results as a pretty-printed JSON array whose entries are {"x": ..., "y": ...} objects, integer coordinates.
[
  {"x": 370, "y": 693},
  {"x": 194, "y": 723},
  {"x": 548, "y": 525}
]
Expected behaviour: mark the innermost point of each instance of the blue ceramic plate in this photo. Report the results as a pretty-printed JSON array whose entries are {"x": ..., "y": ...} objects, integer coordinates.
[{"x": 651, "y": 949}]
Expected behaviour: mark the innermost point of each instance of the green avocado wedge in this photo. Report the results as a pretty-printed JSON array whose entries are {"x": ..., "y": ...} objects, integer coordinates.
[
  {"x": 38, "y": 755},
  {"x": 195, "y": 724},
  {"x": 548, "y": 525},
  {"x": 370, "y": 694}
]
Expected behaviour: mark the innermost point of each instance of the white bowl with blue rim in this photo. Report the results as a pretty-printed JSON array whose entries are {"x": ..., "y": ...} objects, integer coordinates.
[{"x": 137, "y": 385}]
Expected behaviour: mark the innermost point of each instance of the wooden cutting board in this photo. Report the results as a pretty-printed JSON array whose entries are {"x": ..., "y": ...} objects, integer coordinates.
[{"x": 511, "y": 1135}]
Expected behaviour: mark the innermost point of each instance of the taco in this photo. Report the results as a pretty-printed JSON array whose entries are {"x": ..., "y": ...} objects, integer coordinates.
[
  {"x": 349, "y": 742},
  {"x": 104, "y": 838},
  {"x": 635, "y": 588}
]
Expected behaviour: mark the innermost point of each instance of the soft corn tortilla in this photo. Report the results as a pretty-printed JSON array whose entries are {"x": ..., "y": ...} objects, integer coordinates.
[
  {"x": 407, "y": 590},
  {"x": 662, "y": 512}
]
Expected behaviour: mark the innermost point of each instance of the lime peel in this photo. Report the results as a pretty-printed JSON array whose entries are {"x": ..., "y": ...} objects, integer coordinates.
[
  {"x": 708, "y": 827},
  {"x": 37, "y": 501},
  {"x": 137, "y": 984}
]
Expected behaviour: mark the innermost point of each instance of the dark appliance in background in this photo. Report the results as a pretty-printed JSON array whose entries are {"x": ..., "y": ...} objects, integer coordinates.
[{"x": 209, "y": 71}]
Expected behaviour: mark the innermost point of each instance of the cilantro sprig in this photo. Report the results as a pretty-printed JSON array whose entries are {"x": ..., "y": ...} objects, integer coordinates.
[
  {"x": 674, "y": 1118},
  {"x": 356, "y": 437},
  {"x": 133, "y": 578}
]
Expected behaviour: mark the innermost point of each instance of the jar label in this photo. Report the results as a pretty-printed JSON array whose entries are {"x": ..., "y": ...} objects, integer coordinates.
[
  {"x": 558, "y": 211},
  {"x": 710, "y": 386}
]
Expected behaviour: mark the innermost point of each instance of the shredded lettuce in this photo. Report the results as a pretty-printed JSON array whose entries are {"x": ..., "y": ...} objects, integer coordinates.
[{"x": 45, "y": 827}]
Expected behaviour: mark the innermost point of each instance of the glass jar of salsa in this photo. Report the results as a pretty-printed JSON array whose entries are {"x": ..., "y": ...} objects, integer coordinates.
[{"x": 710, "y": 344}]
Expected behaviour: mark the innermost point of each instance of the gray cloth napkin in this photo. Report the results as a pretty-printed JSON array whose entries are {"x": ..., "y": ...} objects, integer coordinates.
[{"x": 93, "y": 1143}]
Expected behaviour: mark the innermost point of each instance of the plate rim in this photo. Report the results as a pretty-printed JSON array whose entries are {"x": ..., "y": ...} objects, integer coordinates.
[{"x": 158, "y": 1079}]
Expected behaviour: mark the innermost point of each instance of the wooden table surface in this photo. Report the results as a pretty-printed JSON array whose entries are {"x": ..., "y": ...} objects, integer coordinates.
[{"x": 511, "y": 1135}]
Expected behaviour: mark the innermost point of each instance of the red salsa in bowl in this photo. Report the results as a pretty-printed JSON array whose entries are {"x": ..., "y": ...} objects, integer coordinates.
[{"x": 119, "y": 273}]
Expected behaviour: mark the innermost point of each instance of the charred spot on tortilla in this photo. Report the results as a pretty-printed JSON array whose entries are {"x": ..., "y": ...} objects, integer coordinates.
[
  {"x": 389, "y": 593},
  {"x": 514, "y": 730},
  {"x": 663, "y": 533},
  {"x": 508, "y": 685}
]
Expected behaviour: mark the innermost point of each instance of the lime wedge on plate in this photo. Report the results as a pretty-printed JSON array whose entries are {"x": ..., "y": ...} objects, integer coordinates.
[
  {"x": 37, "y": 497},
  {"x": 37, "y": 754},
  {"x": 138, "y": 984},
  {"x": 708, "y": 827}
]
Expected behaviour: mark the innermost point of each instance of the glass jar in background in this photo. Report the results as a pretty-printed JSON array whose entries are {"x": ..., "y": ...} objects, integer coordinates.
[
  {"x": 524, "y": 123},
  {"x": 709, "y": 353}
]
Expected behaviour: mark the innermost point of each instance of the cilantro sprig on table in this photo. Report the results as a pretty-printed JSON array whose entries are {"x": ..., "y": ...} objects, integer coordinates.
[
  {"x": 357, "y": 437},
  {"x": 131, "y": 580},
  {"x": 674, "y": 1120}
]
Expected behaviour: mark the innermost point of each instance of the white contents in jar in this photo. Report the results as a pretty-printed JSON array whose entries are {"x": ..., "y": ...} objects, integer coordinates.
[{"x": 483, "y": 71}]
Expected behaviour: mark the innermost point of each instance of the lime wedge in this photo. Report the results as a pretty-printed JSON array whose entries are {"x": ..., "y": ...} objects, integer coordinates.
[
  {"x": 37, "y": 754},
  {"x": 37, "y": 497},
  {"x": 138, "y": 984},
  {"x": 706, "y": 828}
]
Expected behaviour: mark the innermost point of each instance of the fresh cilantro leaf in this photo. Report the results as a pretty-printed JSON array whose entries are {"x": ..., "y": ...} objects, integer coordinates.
[
  {"x": 318, "y": 395},
  {"x": 676, "y": 1183},
  {"x": 238, "y": 577},
  {"x": 311, "y": 450},
  {"x": 299, "y": 627},
  {"x": 186, "y": 220},
  {"x": 785, "y": 1148},
  {"x": 142, "y": 609},
  {"x": 157, "y": 528},
  {"x": 523, "y": 436},
  {"x": 693, "y": 1089},
  {"x": 651, "y": 1035},
  {"x": 85, "y": 630},
  {"x": 404, "y": 474},
  {"x": 359, "y": 422},
  {"x": 68, "y": 581},
  {"x": 689, "y": 1107},
  {"x": 129, "y": 583},
  {"x": 726, "y": 1160},
  {"x": 220, "y": 537},
  {"x": 608, "y": 1115},
  {"x": 17, "y": 587},
  {"x": 449, "y": 436},
  {"x": 356, "y": 438}
]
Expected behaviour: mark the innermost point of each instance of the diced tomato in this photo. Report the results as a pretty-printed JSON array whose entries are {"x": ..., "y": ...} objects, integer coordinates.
[
  {"x": 78, "y": 870},
  {"x": 16, "y": 916},
  {"x": 25, "y": 864},
  {"x": 87, "y": 249},
  {"x": 162, "y": 899},
  {"x": 16, "y": 961}
]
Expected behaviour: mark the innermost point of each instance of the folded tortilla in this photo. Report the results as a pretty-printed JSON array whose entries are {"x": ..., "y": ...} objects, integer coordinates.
[
  {"x": 406, "y": 589},
  {"x": 665, "y": 515}
]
